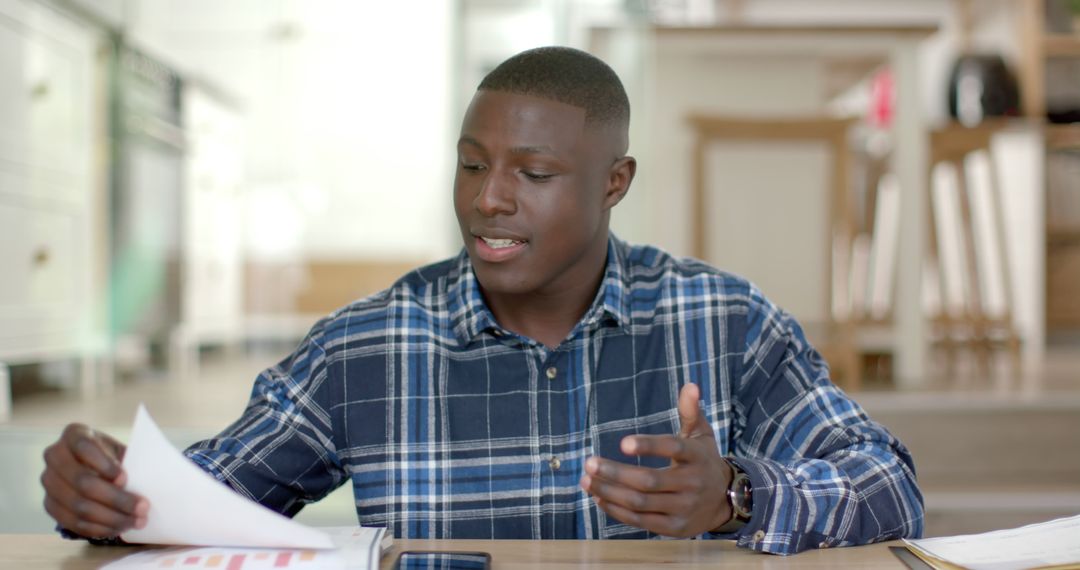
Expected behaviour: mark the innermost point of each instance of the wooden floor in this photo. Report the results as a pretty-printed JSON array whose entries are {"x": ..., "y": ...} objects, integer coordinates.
[{"x": 993, "y": 448}]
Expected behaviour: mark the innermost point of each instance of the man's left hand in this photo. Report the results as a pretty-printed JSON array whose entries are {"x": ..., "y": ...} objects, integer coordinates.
[{"x": 685, "y": 499}]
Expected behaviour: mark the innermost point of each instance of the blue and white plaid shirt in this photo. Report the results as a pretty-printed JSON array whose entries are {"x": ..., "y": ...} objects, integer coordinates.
[{"x": 449, "y": 426}]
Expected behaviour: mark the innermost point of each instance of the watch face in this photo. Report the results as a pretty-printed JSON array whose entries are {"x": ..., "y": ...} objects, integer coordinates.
[{"x": 742, "y": 496}]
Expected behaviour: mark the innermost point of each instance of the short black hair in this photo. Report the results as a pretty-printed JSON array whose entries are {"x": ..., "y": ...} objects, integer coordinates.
[{"x": 566, "y": 75}]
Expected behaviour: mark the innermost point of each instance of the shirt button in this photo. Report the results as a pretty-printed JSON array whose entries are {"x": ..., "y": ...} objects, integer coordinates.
[
  {"x": 759, "y": 536},
  {"x": 554, "y": 463},
  {"x": 551, "y": 373}
]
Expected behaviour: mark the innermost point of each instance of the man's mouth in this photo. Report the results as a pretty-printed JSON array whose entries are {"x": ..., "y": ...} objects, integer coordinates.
[
  {"x": 498, "y": 249},
  {"x": 500, "y": 243}
]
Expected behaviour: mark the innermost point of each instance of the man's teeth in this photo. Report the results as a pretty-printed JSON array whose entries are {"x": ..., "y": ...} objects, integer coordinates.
[{"x": 499, "y": 243}]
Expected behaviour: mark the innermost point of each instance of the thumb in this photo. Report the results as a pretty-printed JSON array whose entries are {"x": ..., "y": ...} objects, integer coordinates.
[{"x": 691, "y": 422}]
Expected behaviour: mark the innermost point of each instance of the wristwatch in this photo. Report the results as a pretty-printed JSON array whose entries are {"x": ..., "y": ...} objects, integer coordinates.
[{"x": 740, "y": 495}]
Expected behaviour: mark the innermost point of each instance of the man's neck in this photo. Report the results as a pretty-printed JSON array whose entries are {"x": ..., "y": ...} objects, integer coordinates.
[{"x": 547, "y": 317}]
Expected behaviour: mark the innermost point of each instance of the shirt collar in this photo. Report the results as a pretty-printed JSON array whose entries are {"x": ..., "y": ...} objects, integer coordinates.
[{"x": 471, "y": 316}]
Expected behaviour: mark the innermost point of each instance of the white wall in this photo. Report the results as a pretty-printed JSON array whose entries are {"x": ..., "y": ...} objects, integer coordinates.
[{"x": 347, "y": 116}]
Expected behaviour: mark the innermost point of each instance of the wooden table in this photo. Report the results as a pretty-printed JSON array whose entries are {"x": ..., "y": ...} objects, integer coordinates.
[{"x": 48, "y": 552}]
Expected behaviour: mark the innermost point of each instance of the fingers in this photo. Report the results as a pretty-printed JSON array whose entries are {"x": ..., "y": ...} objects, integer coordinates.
[
  {"x": 679, "y": 501},
  {"x": 90, "y": 449},
  {"x": 635, "y": 500},
  {"x": 684, "y": 499},
  {"x": 642, "y": 479},
  {"x": 669, "y": 446},
  {"x": 75, "y": 486},
  {"x": 675, "y": 525},
  {"x": 114, "y": 447},
  {"x": 84, "y": 505},
  {"x": 71, "y": 521},
  {"x": 83, "y": 485}
]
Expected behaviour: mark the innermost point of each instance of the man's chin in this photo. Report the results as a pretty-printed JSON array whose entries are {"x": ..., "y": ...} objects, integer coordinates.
[{"x": 495, "y": 281}]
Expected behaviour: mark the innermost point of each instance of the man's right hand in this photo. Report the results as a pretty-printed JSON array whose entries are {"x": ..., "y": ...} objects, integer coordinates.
[{"x": 84, "y": 485}]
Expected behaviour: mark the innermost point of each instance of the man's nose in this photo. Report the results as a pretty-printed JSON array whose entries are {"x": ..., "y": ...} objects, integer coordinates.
[{"x": 496, "y": 195}]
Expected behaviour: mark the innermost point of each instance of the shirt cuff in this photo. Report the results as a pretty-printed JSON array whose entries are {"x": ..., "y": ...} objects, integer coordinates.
[
  {"x": 764, "y": 532},
  {"x": 760, "y": 497}
]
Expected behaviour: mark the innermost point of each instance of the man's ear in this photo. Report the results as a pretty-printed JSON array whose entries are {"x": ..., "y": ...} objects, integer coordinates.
[{"x": 620, "y": 176}]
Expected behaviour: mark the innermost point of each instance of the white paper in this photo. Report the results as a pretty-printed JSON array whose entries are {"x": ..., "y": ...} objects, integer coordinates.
[
  {"x": 1050, "y": 543},
  {"x": 189, "y": 507},
  {"x": 356, "y": 550}
]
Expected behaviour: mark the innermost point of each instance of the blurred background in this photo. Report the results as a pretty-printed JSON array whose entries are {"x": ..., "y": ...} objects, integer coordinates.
[{"x": 185, "y": 187}]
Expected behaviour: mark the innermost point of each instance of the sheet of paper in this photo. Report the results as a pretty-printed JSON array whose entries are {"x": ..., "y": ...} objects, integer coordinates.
[
  {"x": 189, "y": 507},
  {"x": 1053, "y": 543},
  {"x": 357, "y": 548}
]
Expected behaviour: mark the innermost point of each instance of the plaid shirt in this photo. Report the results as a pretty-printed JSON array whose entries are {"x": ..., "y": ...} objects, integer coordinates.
[{"x": 449, "y": 426}]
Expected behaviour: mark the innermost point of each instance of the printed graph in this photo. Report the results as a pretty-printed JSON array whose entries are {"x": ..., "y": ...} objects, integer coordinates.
[
  {"x": 241, "y": 561},
  {"x": 230, "y": 559}
]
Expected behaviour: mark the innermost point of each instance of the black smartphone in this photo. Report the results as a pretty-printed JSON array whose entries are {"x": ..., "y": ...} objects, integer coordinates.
[{"x": 446, "y": 560}]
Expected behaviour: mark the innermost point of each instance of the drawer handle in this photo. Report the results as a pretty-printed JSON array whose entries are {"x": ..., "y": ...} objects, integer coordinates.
[{"x": 41, "y": 257}]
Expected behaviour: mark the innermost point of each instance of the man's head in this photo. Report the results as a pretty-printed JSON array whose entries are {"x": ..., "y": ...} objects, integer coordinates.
[
  {"x": 541, "y": 161},
  {"x": 568, "y": 76}
]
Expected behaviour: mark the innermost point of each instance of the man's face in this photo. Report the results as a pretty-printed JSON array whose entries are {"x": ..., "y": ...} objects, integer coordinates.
[{"x": 530, "y": 193}]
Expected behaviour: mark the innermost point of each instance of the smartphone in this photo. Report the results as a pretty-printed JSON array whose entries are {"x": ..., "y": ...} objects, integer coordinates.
[{"x": 446, "y": 560}]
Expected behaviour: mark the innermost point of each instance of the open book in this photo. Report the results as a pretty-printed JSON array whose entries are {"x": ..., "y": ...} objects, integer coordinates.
[
  {"x": 1053, "y": 544},
  {"x": 190, "y": 507}
]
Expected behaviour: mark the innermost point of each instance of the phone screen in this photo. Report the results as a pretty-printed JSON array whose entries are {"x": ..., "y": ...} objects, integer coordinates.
[{"x": 417, "y": 560}]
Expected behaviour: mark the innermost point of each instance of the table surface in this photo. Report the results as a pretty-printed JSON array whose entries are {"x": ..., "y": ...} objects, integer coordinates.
[{"x": 49, "y": 552}]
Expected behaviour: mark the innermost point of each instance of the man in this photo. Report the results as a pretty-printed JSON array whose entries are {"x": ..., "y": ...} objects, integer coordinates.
[{"x": 550, "y": 381}]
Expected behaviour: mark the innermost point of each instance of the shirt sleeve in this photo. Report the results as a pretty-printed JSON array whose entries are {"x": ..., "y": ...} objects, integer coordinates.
[
  {"x": 823, "y": 473},
  {"x": 281, "y": 452}
]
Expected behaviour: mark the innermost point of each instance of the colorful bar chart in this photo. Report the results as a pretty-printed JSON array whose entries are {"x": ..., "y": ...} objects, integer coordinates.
[
  {"x": 231, "y": 559},
  {"x": 358, "y": 548}
]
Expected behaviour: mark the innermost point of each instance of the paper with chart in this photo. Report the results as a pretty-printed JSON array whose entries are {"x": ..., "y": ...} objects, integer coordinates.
[
  {"x": 358, "y": 548},
  {"x": 189, "y": 507},
  {"x": 1049, "y": 544}
]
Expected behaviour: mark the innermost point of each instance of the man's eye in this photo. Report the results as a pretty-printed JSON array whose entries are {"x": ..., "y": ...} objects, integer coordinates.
[
  {"x": 537, "y": 176},
  {"x": 473, "y": 167}
]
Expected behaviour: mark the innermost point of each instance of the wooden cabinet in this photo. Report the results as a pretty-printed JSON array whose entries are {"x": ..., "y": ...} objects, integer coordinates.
[
  {"x": 1042, "y": 44},
  {"x": 50, "y": 212}
]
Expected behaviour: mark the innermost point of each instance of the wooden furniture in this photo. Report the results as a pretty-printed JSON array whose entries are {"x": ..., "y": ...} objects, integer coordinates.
[
  {"x": 839, "y": 344},
  {"x": 49, "y": 552},
  {"x": 897, "y": 45},
  {"x": 1062, "y": 243},
  {"x": 51, "y": 190},
  {"x": 974, "y": 325}
]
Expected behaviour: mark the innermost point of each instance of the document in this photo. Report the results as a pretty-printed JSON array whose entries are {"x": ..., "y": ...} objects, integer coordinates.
[
  {"x": 1053, "y": 544},
  {"x": 357, "y": 548},
  {"x": 188, "y": 506}
]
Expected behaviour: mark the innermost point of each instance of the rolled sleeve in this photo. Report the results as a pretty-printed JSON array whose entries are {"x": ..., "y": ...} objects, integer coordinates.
[
  {"x": 281, "y": 452},
  {"x": 823, "y": 473}
]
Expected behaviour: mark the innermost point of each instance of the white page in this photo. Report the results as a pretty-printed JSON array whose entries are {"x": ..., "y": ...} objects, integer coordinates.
[
  {"x": 188, "y": 506},
  {"x": 356, "y": 550},
  {"x": 1031, "y": 546}
]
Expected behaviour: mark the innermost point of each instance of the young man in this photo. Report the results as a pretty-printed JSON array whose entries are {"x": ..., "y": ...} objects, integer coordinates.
[{"x": 550, "y": 381}]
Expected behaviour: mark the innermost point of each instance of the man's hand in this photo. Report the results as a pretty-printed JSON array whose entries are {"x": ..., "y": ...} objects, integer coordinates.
[
  {"x": 84, "y": 484},
  {"x": 686, "y": 499}
]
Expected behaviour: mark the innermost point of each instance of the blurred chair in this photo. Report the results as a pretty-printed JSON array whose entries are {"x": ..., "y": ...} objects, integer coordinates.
[
  {"x": 836, "y": 336},
  {"x": 967, "y": 249}
]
